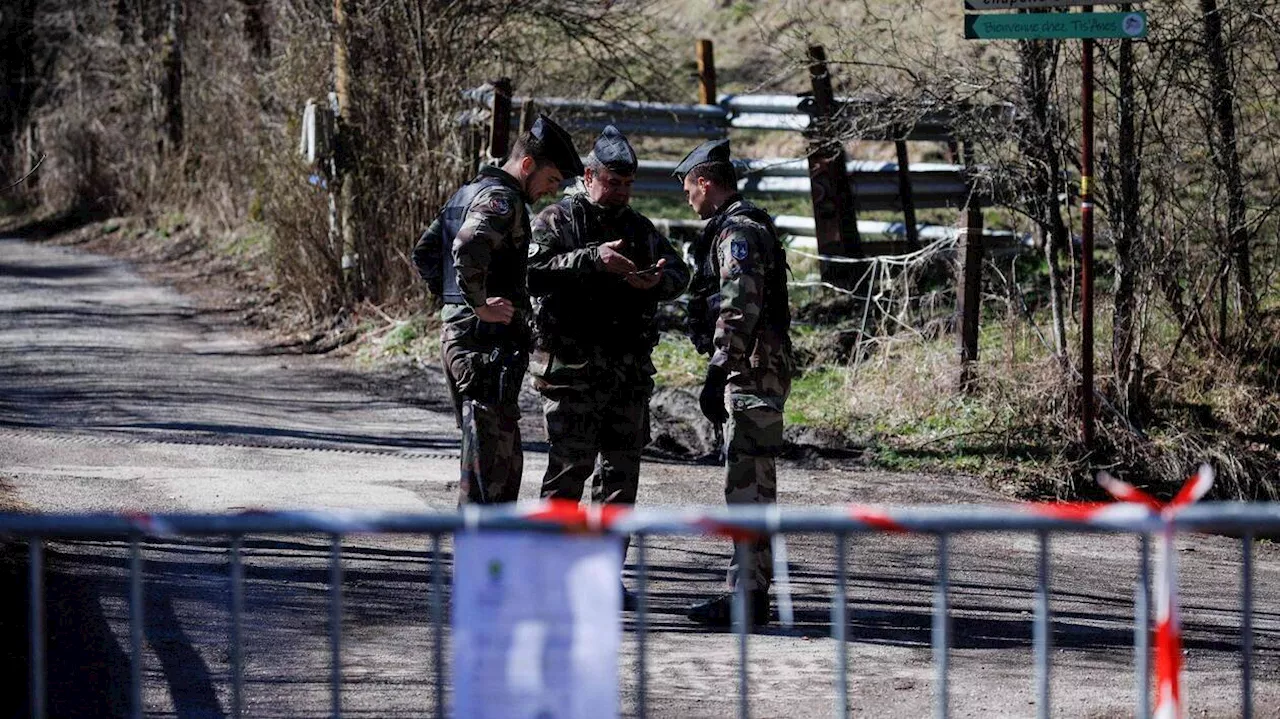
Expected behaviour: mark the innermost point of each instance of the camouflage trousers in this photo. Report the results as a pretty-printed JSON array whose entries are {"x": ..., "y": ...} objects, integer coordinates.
[
  {"x": 492, "y": 456},
  {"x": 753, "y": 440},
  {"x": 597, "y": 423}
]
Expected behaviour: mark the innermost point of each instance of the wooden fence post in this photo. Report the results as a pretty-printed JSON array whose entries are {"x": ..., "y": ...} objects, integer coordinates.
[
  {"x": 500, "y": 123},
  {"x": 835, "y": 218},
  {"x": 706, "y": 72},
  {"x": 969, "y": 289}
]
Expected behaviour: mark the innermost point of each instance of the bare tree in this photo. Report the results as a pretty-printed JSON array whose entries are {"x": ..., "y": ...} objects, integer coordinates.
[
  {"x": 1226, "y": 157},
  {"x": 171, "y": 81},
  {"x": 1040, "y": 141},
  {"x": 19, "y": 76}
]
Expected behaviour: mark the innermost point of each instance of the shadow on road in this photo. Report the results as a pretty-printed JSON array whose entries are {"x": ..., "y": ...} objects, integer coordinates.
[
  {"x": 43, "y": 229},
  {"x": 87, "y": 672}
]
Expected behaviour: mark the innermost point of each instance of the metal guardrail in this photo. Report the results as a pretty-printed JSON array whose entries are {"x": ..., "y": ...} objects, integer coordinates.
[
  {"x": 742, "y": 112},
  {"x": 839, "y": 522},
  {"x": 877, "y": 237},
  {"x": 876, "y": 185}
]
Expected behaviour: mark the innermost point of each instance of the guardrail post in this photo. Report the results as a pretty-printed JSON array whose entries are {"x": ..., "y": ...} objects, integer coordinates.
[
  {"x": 528, "y": 113},
  {"x": 952, "y": 152},
  {"x": 500, "y": 123},
  {"x": 473, "y": 141},
  {"x": 834, "y": 215},
  {"x": 905, "y": 193},
  {"x": 706, "y": 72}
]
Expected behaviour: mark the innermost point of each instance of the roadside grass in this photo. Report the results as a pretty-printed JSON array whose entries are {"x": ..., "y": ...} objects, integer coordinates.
[
  {"x": 381, "y": 338},
  {"x": 1018, "y": 425},
  {"x": 678, "y": 364}
]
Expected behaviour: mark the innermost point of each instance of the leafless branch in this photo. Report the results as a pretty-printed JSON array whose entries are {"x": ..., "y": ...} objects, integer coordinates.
[{"x": 24, "y": 178}]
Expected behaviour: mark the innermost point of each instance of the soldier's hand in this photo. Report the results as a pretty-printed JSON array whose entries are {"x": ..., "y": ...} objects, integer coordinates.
[
  {"x": 497, "y": 310},
  {"x": 647, "y": 280},
  {"x": 711, "y": 398},
  {"x": 613, "y": 260}
]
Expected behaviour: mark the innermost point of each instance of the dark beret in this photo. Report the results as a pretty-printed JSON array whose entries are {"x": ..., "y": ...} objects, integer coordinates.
[
  {"x": 709, "y": 151},
  {"x": 614, "y": 152},
  {"x": 557, "y": 145}
]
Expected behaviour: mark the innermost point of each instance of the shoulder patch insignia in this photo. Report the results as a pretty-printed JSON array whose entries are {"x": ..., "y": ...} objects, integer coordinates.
[
  {"x": 500, "y": 205},
  {"x": 738, "y": 248}
]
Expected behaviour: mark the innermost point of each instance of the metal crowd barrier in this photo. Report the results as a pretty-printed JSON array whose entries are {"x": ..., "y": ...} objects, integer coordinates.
[{"x": 943, "y": 522}]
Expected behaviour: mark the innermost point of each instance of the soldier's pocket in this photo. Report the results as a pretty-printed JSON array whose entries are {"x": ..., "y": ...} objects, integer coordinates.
[
  {"x": 463, "y": 330},
  {"x": 468, "y": 371},
  {"x": 756, "y": 428},
  {"x": 565, "y": 365}
]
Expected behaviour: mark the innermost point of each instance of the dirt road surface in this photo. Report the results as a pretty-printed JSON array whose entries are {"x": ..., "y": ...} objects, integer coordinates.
[{"x": 118, "y": 394}]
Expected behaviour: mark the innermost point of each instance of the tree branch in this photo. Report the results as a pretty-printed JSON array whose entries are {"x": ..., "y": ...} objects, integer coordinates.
[{"x": 23, "y": 179}]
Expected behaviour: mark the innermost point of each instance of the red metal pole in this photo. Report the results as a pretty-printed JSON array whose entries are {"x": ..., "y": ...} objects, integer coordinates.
[{"x": 1086, "y": 246}]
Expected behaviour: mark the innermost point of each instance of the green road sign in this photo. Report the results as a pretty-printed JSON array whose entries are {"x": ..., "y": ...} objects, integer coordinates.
[{"x": 1056, "y": 26}]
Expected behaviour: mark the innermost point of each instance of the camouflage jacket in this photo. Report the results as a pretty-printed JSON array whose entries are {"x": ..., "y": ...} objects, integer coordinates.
[
  {"x": 580, "y": 305},
  {"x": 738, "y": 310},
  {"x": 489, "y": 251}
]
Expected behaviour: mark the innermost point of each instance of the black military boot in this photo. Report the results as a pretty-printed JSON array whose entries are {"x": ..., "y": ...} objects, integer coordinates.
[
  {"x": 629, "y": 600},
  {"x": 718, "y": 611}
]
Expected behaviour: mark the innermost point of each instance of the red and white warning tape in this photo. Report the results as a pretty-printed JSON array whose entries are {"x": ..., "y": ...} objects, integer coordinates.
[{"x": 1168, "y": 645}]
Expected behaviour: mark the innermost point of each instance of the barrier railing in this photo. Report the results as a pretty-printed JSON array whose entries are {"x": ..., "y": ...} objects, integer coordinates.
[{"x": 1142, "y": 517}]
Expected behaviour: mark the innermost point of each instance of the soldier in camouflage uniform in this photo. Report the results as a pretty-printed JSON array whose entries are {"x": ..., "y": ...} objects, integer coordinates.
[
  {"x": 738, "y": 314},
  {"x": 474, "y": 256},
  {"x": 598, "y": 269}
]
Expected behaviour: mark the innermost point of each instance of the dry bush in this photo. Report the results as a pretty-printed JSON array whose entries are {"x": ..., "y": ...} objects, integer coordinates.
[{"x": 306, "y": 262}]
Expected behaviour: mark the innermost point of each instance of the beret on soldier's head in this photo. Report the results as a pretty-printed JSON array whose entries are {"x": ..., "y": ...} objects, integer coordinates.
[
  {"x": 557, "y": 146},
  {"x": 614, "y": 152},
  {"x": 709, "y": 151}
]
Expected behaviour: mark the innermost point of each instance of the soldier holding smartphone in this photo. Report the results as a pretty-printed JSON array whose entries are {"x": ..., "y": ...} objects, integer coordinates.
[{"x": 597, "y": 271}]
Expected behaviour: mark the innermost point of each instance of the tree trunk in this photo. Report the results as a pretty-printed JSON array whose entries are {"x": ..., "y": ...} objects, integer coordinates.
[
  {"x": 1037, "y": 143},
  {"x": 1226, "y": 155},
  {"x": 256, "y": 31},
  {"x": 1126, "y": 243},
  {"x": 18, "y": 82},
  {"x": 171, "y": 83},
  {"x": 343, "y": 184}
]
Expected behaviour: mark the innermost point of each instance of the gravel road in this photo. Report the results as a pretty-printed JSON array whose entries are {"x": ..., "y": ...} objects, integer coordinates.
[{"x": 119, "y": 394}]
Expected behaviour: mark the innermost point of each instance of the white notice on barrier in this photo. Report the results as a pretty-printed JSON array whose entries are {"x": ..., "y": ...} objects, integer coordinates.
[{"x": 536, "y": 626}]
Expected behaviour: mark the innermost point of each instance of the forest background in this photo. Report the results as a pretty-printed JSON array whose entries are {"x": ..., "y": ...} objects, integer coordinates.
[{"x": 172, "y": 126}]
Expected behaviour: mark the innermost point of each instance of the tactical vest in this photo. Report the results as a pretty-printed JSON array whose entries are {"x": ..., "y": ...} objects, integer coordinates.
[
  {"x": 704, "y": 291},
  {"x": 507, "y": 265},
  {"x": 599, "y": 309}
]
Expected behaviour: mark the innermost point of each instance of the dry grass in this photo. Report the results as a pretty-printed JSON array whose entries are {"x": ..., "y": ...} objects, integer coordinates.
[{"x": 1019, "y": 426}]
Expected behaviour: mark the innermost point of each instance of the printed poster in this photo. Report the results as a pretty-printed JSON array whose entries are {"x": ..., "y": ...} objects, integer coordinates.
[{"x": 536, "y": 626}]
